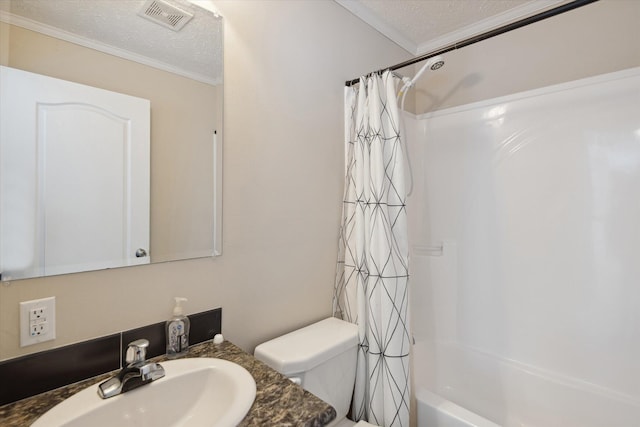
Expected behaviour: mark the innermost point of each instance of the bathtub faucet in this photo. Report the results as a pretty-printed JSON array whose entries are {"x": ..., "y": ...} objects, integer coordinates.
[{"x": 138, "y": 371}]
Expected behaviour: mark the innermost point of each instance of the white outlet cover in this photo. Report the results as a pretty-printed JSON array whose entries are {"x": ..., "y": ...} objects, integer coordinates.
[{"x": 49, "y": 306}]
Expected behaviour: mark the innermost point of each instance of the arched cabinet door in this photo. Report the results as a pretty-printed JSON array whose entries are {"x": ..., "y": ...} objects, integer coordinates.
[{"x": 74, "y": 169}]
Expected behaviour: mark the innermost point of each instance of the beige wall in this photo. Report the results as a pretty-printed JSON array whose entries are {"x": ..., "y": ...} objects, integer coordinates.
[
  {"x": 285, "y": 65},
  {"x": 598, "y": 38}
]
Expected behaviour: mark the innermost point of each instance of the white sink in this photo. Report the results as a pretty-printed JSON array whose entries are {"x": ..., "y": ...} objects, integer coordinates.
[{"x": 193, "y": 392}]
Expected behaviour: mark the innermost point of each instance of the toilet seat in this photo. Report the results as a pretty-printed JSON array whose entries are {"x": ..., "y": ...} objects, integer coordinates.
[{"x": 364, "y": 424}]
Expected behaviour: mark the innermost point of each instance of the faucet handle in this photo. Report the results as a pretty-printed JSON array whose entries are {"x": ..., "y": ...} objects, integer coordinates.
[{"x": 137, "y": 351}]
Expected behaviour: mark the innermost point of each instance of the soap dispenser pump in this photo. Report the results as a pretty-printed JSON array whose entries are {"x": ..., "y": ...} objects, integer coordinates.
[{"x": 178, "y": 331}]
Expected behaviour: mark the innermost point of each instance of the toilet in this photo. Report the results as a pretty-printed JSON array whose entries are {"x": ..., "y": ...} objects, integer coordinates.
[{"x": 322, "y": 359}]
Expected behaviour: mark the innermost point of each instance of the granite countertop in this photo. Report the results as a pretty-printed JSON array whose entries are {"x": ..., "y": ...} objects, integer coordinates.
[{"x": 279, "y": 402}]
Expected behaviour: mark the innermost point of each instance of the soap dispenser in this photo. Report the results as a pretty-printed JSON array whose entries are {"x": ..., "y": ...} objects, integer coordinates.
[{"x": 177, "y": 331}]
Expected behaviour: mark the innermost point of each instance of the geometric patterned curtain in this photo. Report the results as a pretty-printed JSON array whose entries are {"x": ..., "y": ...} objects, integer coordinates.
[{"x": 371, "y": 288}]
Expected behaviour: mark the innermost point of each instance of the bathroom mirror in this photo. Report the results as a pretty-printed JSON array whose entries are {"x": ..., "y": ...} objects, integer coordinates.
[{"x": 168, "y": 52}]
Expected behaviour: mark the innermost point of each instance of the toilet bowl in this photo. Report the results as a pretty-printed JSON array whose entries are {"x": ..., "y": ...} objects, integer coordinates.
[{"x": 322, "y": 359}]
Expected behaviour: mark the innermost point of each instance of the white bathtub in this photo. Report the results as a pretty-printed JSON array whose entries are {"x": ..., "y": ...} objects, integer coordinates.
[
  {"x": 462, "y": 387},
  {"x": 435, "y": 411}
]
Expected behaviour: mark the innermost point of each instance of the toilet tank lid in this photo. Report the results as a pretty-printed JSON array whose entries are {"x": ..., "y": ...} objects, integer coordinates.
[{"x": 304, "y": 349}]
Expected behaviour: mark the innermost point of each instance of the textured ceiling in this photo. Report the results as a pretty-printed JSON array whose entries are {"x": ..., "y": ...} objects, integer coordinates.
[
  {"x": 420, "y": 26},
  {"x": 194, "y": 51}
]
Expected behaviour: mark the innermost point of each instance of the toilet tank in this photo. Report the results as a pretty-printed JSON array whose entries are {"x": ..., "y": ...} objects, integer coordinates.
[{"x": 321, "y": 357}]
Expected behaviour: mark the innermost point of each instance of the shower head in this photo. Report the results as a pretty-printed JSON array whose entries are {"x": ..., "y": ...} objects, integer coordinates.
[
  {"x": 433, "y": 63},
  {"x": 437, "y": 65}
]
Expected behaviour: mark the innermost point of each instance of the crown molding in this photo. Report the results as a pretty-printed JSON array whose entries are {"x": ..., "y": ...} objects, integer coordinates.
[
  {"x": 29, "y": 24},
  {"x": 482, "y": 26},
  {"x": 379, "y": 24},
  {"x": 395, "y": 35}
]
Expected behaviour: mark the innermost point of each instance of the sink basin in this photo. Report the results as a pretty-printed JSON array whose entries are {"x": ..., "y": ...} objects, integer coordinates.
[{"x": 194, "y": 392}]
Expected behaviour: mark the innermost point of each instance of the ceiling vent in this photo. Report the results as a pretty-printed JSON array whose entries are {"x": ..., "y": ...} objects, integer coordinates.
[{"x": 166, "y": 14}]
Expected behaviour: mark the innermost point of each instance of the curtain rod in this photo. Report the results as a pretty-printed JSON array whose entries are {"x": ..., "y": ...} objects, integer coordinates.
[{"x": 487, "y": 35}]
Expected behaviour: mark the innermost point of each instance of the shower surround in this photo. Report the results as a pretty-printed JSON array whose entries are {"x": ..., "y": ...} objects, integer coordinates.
[{"x": 525, "y": 223}]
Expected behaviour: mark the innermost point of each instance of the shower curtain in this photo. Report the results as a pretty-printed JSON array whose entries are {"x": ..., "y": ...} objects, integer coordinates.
[{"x": 372, "y": 276}]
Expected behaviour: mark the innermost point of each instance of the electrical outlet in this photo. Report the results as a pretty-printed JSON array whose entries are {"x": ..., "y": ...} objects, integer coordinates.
[
  {"x": 39, "y": 329},
  {"x": 37, "y": 321},
  {"x": 37, "y": 315}
]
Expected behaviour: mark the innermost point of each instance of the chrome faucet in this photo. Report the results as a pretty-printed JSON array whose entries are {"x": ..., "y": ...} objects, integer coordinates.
[{"x": 137, "y": 372}]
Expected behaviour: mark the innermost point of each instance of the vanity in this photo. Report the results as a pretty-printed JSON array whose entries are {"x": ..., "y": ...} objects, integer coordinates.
[{"x": 278, "y": 401}]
